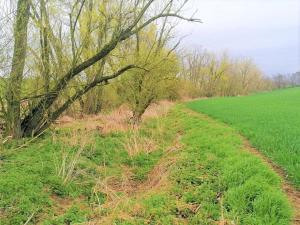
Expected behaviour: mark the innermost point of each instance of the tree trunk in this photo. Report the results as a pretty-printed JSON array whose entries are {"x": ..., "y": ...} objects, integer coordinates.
[
  {"x": 36, "y": 125},
  {"x": 136, "y": 118},
  {"x": 13, "y": 93}
]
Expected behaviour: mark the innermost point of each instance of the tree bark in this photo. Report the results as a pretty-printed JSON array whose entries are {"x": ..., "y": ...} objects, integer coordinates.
[{"x": 13, "y": 93}]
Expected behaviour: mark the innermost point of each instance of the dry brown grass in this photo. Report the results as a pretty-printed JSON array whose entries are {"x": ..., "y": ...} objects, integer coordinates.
[
  {"x": 114, "y": 206},
  {"x": 134, "y": 144},
  {"x": 66, "y": 163},
  {"x": 73, "y": 138},
  {"x": 158, "y": 109},
  {"x": 122, "y": 207},
  {"x": 65, "y": 119},
  {"x": 117, "y": 120}
]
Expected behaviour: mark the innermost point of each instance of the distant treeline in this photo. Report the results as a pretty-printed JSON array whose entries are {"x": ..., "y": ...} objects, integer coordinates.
[
  {"x": 207, "y": 74},
  {"x": 286, "y": 80}
]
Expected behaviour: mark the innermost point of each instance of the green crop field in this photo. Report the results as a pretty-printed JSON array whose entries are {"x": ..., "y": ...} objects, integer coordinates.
[{"x": 271, "y": 121}]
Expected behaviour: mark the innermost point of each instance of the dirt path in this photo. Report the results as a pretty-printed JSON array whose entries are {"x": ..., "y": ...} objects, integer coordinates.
[{"x": 292, "y": 193}]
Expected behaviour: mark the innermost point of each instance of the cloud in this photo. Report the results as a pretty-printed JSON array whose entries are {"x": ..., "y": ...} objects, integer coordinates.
[{"x": 268, "y": 31}]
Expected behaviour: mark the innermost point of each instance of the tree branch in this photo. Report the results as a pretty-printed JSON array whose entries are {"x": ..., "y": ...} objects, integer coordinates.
[{"x": 80, "y": 93}]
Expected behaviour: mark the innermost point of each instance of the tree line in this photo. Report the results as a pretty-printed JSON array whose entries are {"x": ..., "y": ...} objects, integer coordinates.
[
  {"x": 286, "y": 80},
  {"x": 209, "y": 74},
  {"x": 85, "y": 56}
]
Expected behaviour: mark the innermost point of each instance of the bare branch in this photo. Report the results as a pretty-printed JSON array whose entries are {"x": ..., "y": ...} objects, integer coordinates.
[{"x": 162, "y": 16}]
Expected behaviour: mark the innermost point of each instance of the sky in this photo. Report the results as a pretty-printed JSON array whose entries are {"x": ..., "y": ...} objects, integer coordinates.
[{"x": 268, "y": 31}]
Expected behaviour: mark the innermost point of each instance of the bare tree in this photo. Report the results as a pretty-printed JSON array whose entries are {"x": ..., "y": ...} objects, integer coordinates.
[{"x": 214, "y": 75}]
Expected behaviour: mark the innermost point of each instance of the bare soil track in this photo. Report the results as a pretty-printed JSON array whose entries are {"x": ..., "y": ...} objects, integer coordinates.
[{"x": 292, "y": 193}]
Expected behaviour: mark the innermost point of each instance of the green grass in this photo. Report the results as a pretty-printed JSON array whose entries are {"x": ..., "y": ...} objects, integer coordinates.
[
  {"x": 29, "y": 177},
  {"x": 217, "y": 174},
  {"x": 271, "y": 121},
  {"x": 212, "y": 179}
]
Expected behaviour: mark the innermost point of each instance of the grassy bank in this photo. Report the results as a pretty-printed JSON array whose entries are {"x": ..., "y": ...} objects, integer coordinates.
[
  {"x": 269, "y": 120},
  {"x": 183, "y": 168}
]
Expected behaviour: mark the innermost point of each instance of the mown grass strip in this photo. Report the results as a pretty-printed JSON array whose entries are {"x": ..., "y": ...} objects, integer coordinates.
[
  {"x": 269, "y": 120},
  {"x": 233, "y": 185}
]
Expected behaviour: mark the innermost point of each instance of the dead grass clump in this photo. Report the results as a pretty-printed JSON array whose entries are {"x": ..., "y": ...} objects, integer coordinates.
[
  {"x": 112, "y": 185},
  {"x": 225, "y": 222},
  {"x": 66, "y": 165},
  {"x": 127, "y": 205},
  {"x": 158, "y": 177},
  {"x": 117, "y": 191},
  {"x": 73, "y": 138},
  {"x": 107, "y": 186},
  {"x": 116, "y": 121},
  {"x": 156, "y": 110},
  {"x": 65, "y": 119},
  {"x": 66, "y": 162},
  {"x": 122, "y": 206},
  {"x": 135, "y": 144},
  {"x": 182, "y": 208}
]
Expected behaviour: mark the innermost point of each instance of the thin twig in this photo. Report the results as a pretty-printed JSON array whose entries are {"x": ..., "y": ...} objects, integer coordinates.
[{"x": 29, "y": 218}]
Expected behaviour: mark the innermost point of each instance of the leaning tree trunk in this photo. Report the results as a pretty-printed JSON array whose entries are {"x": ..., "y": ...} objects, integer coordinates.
[
  {"x": 136, "y": 118},
  {"x": 13, "y": 93},
  {"x": 140, "y": 108},
  {"x": 36, "y": 124}
]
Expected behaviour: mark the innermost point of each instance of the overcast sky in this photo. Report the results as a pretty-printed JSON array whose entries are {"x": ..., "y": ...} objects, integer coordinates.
[{"x": 266, "y": 30}]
